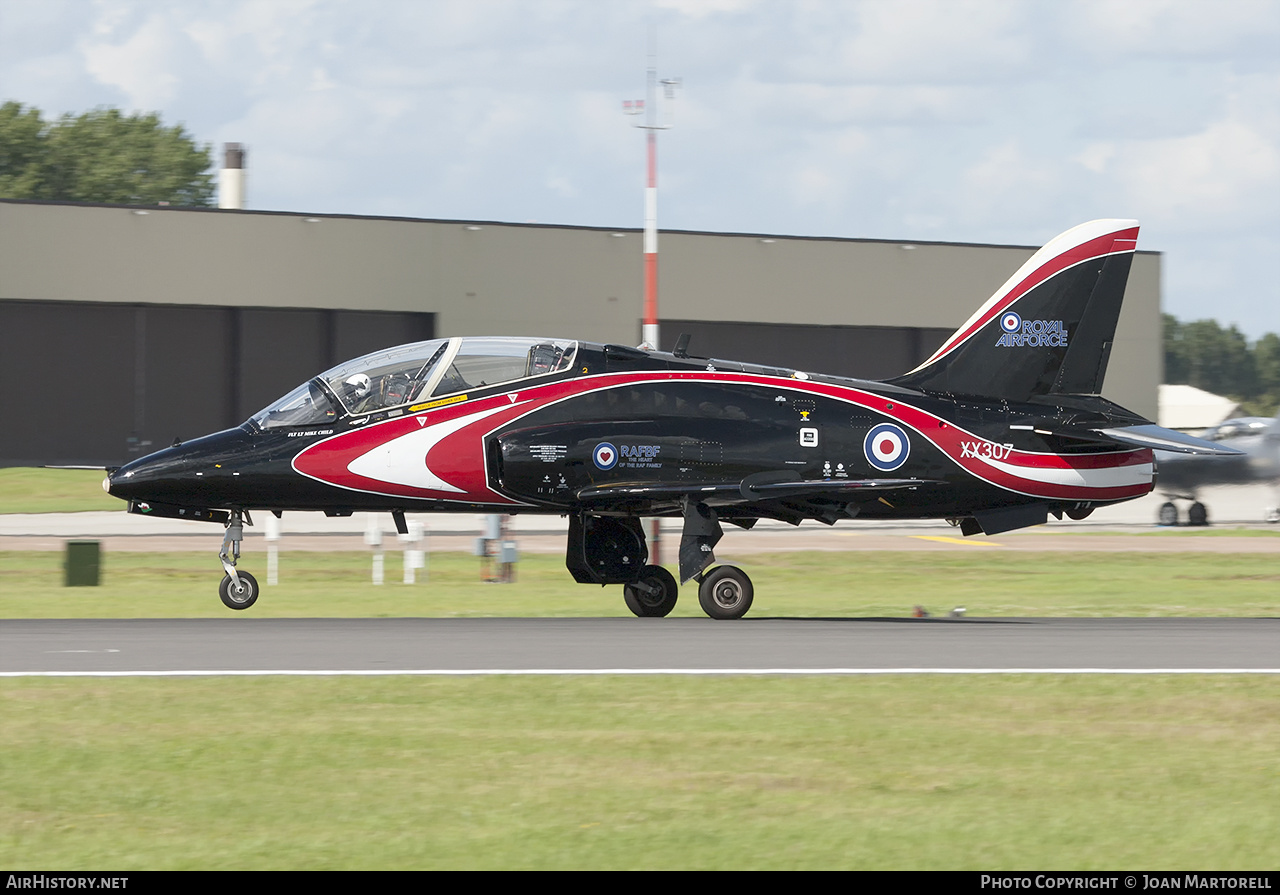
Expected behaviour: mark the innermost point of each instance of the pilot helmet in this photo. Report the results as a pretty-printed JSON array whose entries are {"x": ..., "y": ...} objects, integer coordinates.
[{"x": 359, "y": 383}]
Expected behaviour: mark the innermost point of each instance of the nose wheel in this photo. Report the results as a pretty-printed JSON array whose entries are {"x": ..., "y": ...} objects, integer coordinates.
[
  {"x": 725, "y": 592},
  {"x": 238, "y": 590},
  {"x": 239, "y": 595}
]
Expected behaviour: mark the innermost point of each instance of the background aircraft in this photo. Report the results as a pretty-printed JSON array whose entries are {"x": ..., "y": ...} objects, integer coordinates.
[
  {"x": 1181, "y": 476},
  {"x": 1001, "y": 427}
]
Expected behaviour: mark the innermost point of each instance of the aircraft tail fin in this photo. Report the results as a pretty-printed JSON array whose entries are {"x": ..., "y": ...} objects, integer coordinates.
[{"x": 1048, "y": 329}]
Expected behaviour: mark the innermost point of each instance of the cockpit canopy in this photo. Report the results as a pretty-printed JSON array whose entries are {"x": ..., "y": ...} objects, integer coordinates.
[{"x": 415, "y": 373}]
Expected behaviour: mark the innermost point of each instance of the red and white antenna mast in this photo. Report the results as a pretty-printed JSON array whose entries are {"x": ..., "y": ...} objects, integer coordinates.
[{"x": 648, "y": 107}]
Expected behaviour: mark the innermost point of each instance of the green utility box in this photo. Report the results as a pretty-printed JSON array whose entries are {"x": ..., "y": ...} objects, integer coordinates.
[{"x": 83, "y": 563}]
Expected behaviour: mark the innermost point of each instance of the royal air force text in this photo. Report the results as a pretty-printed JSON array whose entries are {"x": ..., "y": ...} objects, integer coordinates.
[{"x": 1035, "y": 334}]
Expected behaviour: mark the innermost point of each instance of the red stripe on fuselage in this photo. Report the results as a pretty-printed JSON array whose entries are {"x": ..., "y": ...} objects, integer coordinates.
[{"x": 458, "y": 458}]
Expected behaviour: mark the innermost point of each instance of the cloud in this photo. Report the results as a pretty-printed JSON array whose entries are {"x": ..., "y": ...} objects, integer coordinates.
[
  {"x": 1228, "y": 176},
  {"x": 144, "y": 65},
  {"x": 1171, "y": 28},
  {"x": 700, "y": 9},
  {"x": 971, "y": 120}
]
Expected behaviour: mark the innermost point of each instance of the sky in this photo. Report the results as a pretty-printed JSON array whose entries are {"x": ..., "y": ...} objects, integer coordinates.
[{"x": 991, "y": 121}]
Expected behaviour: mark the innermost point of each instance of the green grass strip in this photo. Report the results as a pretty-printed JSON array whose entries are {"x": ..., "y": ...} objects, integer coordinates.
[
  {"x": 25, "y": 490},
  {"x": 535, "y": 773},
  {"x": 854, "y": 583}
]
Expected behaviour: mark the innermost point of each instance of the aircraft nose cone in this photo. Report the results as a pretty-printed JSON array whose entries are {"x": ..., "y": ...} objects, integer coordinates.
[
  {"x": 194, "y": 473},
  {"x": 162, "y": 476},
  {"x": 124, "y": 482},
  {"x": 111, "y": 483}
]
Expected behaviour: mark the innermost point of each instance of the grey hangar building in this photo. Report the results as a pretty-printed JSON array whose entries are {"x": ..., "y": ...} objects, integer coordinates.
[{"x": 125, "y": 327}]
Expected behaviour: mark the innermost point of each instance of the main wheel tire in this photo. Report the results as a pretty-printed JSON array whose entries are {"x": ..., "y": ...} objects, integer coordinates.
[
  {"x": 656, "y": 596},
  {"x": 1168, "y": 514},
  {"x": 1198, "y": 514},
  {"x": 241, "y": 597},
  {"x": 726, "y": 593}
]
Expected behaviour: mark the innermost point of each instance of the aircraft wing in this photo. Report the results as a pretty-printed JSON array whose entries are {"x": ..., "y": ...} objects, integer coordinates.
[
  {"x": 750, "y": 489},
  {"x": 779, "y": 495}
]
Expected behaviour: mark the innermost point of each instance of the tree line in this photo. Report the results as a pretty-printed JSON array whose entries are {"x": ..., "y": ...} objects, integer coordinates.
[
  {"x": 101, "y": 156},
  {"x": 1220, "y": 360}
]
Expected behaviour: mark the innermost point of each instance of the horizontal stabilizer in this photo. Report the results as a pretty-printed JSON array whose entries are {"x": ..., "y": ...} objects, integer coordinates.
[{"x": 1162, "y": 439}]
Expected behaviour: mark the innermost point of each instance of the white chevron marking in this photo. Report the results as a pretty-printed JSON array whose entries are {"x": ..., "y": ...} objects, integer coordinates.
[{"x": 403, "y": 460}]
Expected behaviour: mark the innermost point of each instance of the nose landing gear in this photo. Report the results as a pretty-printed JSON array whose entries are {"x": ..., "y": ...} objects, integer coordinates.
[{"x": 238, "y": 590}]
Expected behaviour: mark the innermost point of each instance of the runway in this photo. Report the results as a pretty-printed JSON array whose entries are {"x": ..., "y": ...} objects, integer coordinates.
[
  {"x": 754, "y": 645},
  {"x": 239, "y": 646}
]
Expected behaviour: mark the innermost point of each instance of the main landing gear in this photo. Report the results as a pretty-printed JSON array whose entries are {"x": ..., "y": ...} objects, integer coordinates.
[
  {"x": 654, "y": 595},
  {"x": 238, "y": 590},
  {"x": 725, "y": 592},
  {"x": 610, "y": 550},
  {"x": 1197, "y": 514}
]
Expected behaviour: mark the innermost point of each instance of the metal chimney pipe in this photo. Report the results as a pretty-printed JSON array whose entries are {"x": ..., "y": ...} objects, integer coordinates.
[{"x": 231, "y": 177}]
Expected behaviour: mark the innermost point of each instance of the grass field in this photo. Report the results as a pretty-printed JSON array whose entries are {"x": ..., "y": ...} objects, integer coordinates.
[
  {"x": 25, "y": 490},
  {"x": 912, "y": 772},
  {"x": 152, "y": 585}
]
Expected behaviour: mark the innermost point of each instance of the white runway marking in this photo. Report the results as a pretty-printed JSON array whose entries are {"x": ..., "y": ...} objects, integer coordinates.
[
  {"x": 55, "y": 651},
  {"x": 757, "y": 672}
]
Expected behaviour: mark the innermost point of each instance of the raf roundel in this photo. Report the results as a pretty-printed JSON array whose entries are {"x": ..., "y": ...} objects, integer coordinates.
[
  {"x": 605, "y": 455},
  {"x": 886, "y": 447},
  {"x": 1010, "y": 321}
]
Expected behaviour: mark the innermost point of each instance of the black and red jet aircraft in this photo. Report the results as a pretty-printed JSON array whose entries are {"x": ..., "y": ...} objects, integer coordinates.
[{"x": 1002, "y": 426}]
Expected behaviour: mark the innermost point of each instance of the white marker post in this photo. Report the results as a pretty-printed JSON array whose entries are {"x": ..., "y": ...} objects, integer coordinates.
[
  {"x": 426, "y": 553},
  {"x": 413, "y": 554},
  {"x": 273, "y": 550},
  {"x": 373, "y": 537}
]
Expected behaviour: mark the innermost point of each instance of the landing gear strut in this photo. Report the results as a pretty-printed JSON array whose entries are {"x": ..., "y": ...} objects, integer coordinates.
[{"x": 238, "y": 590}]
